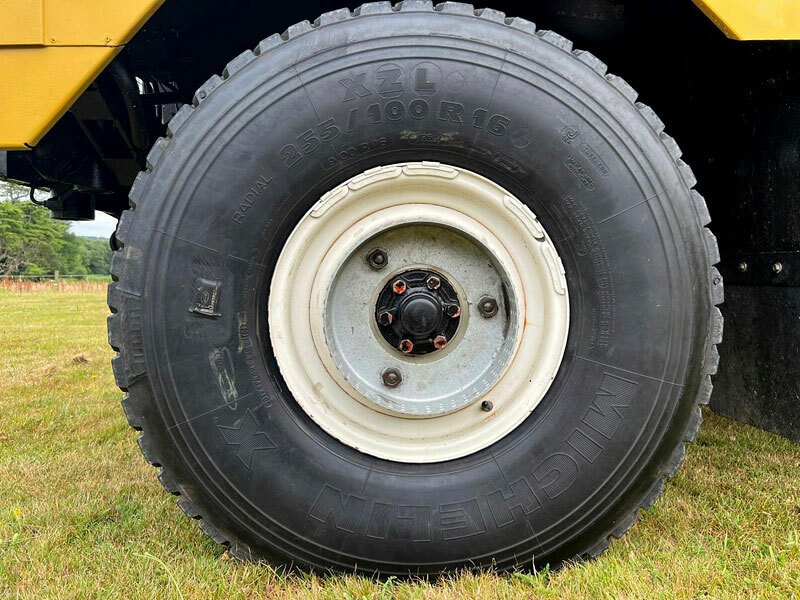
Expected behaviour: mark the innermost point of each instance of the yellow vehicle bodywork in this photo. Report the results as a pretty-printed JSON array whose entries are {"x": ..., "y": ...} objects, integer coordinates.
[
  {"x": 51, "y": 50},
  {"x": 755, "y": 19}
]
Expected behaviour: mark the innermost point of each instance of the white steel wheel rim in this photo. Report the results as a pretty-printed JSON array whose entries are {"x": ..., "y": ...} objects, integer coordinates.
[{"x": 340, "y": 389}]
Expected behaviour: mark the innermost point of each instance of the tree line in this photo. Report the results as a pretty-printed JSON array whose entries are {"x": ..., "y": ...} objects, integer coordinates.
[{"x": 33, "y": 244}]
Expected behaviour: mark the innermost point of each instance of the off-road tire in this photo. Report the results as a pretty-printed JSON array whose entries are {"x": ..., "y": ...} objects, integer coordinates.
[{"x": 514, "y": 104}]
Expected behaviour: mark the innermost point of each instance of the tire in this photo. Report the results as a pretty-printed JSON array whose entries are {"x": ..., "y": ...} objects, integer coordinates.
[{"x": 310, "y": 109}]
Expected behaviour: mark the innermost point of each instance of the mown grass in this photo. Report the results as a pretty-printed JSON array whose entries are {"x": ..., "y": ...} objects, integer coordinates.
[{"x": 83, "y": 515}]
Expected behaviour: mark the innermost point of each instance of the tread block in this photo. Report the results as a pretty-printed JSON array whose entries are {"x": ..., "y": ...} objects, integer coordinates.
[
  {"x": 521, "y": 24},
  {"x": 268, "y": 44},
  {"x": 712, "y": 248},
  {"x": 297, "y": 29},
  {"x": 415, "y": 5},
  {"x": 717, "y": 326},
  {"x": 653, "y": 494},
  {"x": 717, "y": 289},
  {"x": 204, "y": 90},
  {"x": 675, "y": 461},
  {"x": 701, "y": 208},
  {"x": 147, "y": 450},
  {"x": 179, "y": 119},
  {"x": 238, "y": 63},
  {"x": 591, "y": 61},
  {"x": 687, "y": 173},
  {"x": 373, "y": 8},
  {"x": 672, "y": 146},
  {"x": 456, "y": 8},
  {"x": 551, "y": 37},
  {"x": 651, "y": 117},
  {"x": 333, "y": 16},
  {"x": 623, "y": 87},
  {"x": 489, "y": 14}
]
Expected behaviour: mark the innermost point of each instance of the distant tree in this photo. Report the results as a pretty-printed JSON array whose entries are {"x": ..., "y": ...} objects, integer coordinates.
[{"x": 31, "y": 243}]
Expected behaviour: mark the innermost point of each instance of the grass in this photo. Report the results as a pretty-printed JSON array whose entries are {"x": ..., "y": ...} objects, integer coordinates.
[{"x": 83, "y": 515}]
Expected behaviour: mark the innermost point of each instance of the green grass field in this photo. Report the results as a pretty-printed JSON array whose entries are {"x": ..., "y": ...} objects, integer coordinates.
[{"x": 82, "y": 514}]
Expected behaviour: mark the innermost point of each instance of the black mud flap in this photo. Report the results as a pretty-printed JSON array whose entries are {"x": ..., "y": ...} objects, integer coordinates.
[{"x": 759, "y": 378}]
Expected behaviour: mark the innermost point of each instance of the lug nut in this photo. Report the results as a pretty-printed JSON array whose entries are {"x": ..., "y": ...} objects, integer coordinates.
[
  {"x": 399, "y": 286},
  {"x": 486, "y": 406},
  {"x": 385, "y": 318},
  {"x": 487, "y": 307},
  {"x": 391, "y": 377},
  {"x": 439, "y": 342},
  {"x": 777, "y": 267},
  {"x": 453, "y": 311},
  {"x": 377, "y": 258},
  {"x": 434, "y": 283},
  {"x": 406, "y": 346}
]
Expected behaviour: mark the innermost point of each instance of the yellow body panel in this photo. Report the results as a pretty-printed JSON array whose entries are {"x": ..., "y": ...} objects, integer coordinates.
[
  {"x": 755, "y": 19},
  {"x": 21, "y": 22},
  {"x": 50, "y": 51}
]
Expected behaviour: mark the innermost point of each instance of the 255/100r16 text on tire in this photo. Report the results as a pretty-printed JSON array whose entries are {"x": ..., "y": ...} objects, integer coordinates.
[{"x": 317, "y": 106}]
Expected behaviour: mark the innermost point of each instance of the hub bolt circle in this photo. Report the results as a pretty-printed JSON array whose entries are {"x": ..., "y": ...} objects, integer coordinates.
[
  {"x": 439, "y": 342},
  {"x": 434, "y": 283},
  {"x": 377, "y": 258},
  {"x": 487, "y": 307},
  {"x": 391, "y": 377},
  {"x": 385, "y": 318},
  {"x": 406, "y": 346},
  {"x": 399, "y": 286}
]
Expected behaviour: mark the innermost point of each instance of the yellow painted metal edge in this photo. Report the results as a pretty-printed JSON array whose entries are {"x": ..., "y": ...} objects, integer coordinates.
[
  {"x": 43, "y": 81},
  {"x": 754, "y": 19}
]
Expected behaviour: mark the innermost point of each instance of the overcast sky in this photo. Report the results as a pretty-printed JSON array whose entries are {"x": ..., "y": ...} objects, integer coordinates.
[{"x": 102, "y": 226}]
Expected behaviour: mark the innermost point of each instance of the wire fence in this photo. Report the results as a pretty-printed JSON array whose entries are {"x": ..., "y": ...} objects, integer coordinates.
[{"x": 54, "y": 283}]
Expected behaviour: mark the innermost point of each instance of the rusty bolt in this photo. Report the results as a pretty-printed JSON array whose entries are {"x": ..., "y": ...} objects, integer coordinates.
[
  {"x": 391, "y": 377},
  {"x": 406, "y": 346},
  {"x": 434, "y": 283},
  {"x": 487, "y": 406},
  {"x": 377, "y": 258},
  {"x": 385, "y": 318},
  {"x": 399, "y": 286},
  {"x": 453, "y": 311},
  {"x": 487, "y": 307},
  {"x": 439, "y": 342}
]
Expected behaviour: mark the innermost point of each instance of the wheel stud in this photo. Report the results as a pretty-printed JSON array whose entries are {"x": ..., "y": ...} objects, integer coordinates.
[
  {"x": 399, "y": 286},
  {"x": 439, "y": 342},
  {"x": 487, "y": 406},
  {"x": 434, "y": 283},
  {"x": 487, "y": 307},
  {"x": 406, "y": 346},
  {"x": 453, "y": 311},
  {"x": 377, "y": 258},
  {"x": 391, "y": 377},
  {"x": 385, "y": 318}
]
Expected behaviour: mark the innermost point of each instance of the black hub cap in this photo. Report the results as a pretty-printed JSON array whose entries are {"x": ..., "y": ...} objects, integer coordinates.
[{"x": 418, "y": 312}]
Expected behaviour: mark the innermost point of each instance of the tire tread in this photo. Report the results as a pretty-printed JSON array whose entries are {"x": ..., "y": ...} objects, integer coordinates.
[{"x": 133, "y": 402}]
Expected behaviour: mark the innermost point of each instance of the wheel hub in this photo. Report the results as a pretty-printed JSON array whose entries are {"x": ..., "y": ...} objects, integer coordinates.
[
  {"x": 418, "y": 312},
  {"x": 421, "y": 307}
]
